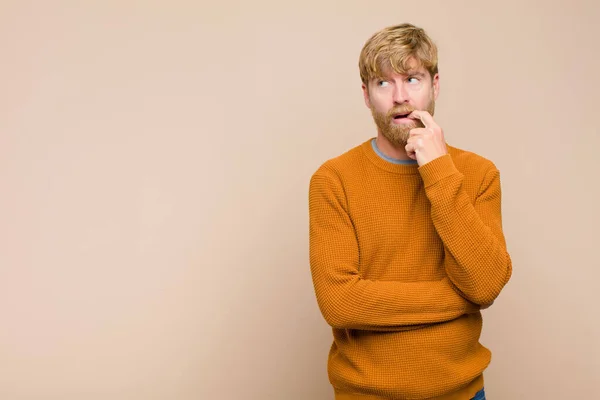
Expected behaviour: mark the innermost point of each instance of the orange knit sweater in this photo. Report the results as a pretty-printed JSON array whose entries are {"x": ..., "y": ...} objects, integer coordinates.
[{"x": 401, "y": 258}]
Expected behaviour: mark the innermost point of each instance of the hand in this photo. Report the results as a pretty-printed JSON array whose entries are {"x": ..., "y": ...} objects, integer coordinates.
[{"x": 425, "y": 144}]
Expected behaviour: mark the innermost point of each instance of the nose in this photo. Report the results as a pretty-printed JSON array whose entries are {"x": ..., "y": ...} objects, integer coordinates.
[{"x": 400, "y": 94}]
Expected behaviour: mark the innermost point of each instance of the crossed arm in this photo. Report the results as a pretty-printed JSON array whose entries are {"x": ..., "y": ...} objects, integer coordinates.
[
  {"x": 476, "y": 262},
  {"x": 348, "y": 301}
]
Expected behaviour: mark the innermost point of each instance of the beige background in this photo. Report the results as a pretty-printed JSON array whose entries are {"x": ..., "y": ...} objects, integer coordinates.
[{"x": 154, "y": 167}]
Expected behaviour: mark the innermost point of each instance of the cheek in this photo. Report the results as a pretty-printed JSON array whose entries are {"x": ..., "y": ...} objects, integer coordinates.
[
  {"x": 423, "y": 99},
  {"x": 380, "y": 103}
]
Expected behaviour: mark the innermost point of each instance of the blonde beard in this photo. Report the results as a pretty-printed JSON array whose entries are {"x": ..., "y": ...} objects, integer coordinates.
[{"x": 398, "y": 134}]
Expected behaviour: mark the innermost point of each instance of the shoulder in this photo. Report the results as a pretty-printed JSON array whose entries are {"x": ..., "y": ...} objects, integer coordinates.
[
  {"x": 329, "y": 181},
  {"x": 343, "y": 164}
]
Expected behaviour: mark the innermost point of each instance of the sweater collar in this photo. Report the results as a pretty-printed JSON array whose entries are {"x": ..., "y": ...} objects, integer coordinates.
[{"x": 383, "y": 163}]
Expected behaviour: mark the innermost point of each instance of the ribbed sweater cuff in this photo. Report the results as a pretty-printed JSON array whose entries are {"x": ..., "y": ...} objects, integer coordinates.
[{"x": 438, "y": 169}]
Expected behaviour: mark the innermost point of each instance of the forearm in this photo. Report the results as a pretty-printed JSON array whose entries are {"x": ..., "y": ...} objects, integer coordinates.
[
  {"x": 350, "y": 302},
  {"x": 476, "y": 258},
  {"x": 477, "y": 263}
]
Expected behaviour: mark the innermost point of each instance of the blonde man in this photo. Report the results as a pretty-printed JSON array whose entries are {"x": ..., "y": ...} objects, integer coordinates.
[{"x": 406, "y": 241}]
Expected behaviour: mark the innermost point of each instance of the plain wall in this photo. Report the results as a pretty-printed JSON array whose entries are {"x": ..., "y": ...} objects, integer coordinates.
[{"x": 154, "y": 169}]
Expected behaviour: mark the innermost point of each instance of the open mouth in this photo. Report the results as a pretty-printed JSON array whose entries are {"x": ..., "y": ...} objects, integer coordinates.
[{"x": 400, "y": 116}]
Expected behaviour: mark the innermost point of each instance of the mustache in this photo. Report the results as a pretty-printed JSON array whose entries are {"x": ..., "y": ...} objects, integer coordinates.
[{"x": 400, "y": 110}]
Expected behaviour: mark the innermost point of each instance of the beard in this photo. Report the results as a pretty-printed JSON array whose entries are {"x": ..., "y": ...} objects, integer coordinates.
[{"x": 398, "y": 134}]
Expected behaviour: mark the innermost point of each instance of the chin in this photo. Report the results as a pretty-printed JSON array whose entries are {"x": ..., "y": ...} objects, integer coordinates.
[{"x": 397, "y": 139}]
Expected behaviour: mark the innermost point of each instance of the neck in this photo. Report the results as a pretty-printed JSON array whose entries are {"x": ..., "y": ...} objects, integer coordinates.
[{"x": 391, "y": 150}]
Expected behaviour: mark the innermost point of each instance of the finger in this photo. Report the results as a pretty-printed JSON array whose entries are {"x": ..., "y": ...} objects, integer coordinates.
[
  {"x": 425, "y": 118},
  {"x": 416, "y": 142},
  {"x": 420, "y": 131},
  {"x": 414, "y": 146},
  {"x": 410, "y": 150}
]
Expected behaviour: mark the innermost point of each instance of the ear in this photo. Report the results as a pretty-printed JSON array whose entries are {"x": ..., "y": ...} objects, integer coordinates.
[
  {"x": 366, "y": 95},
  {"x": 436, "y": 86}
]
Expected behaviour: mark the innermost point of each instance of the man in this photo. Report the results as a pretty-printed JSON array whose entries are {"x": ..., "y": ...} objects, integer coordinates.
[{"x": 406, "y": 242}]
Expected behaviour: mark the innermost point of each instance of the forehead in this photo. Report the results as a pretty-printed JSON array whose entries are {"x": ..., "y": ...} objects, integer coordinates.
[
  {"x": 410, "y": 67},
  {"x": 413, "y": 67}
]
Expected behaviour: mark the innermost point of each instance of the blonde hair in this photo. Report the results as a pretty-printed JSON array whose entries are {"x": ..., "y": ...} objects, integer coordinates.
[{"x": 394, "y": 47}]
